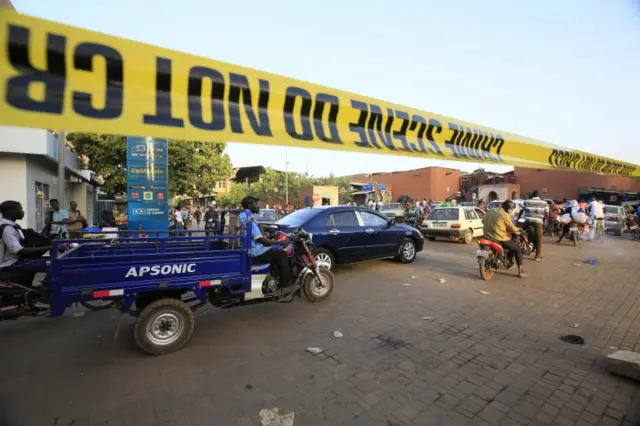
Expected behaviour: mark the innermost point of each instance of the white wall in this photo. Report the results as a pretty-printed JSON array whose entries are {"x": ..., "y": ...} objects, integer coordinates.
[
  {"x": 43, "y": 171},
  {"x": 501, "y": 189},
  {"x": 13, "y": 173},
  {"x": 23, "y": 141}
]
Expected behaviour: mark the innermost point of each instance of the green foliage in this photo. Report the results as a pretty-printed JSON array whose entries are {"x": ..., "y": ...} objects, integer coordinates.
[
  {"x": 235, "y": 195},
  {"x": 271, "y": 189},
  {"x": 194, "y": 167}
]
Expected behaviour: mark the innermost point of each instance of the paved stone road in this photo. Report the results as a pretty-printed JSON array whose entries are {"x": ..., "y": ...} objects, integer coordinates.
[{"x": 481, "y": 359}]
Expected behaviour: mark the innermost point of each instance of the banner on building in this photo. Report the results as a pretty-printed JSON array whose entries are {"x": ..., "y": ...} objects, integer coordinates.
[
  {"x": 61, "y": 77},
  {"x": 147, "y": 184}
]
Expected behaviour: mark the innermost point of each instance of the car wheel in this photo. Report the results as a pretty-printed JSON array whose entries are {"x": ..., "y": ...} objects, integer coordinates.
[
  {"x": 407, "y": 251},
  {"x": 324, "y": 257},
  {"x": 619, "y": 232},
  {"x": 468, "y": 237}
]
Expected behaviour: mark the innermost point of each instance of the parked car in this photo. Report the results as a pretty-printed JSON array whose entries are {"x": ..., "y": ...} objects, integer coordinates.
[
  {"x": 464, "y": 223},
  {"x": 497, "y": 203},
  {"x": 614, "y": 219},
  {"x": 393, "y": 210},
  {"x": 267, "y": 217},
  {"x": 342, "y": 234}
]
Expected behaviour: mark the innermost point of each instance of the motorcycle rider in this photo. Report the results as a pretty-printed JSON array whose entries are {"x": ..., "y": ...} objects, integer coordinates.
[
  {"x": 536, "y": 211},
  {"x": 573, "y": 209},
  {"x": 497, "y": 227},
  {"x": 261, "y": 247},
  {"x": 12, "y": 252}
]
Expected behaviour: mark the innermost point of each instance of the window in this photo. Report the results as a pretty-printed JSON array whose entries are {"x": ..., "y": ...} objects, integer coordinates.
[
  {"x": 267, "y": 215},
  {"x": 443, "y": 214},
  {"x": 480, "y": 213},
  {"x": 299, "y": 217},
  {"x": 469, "y": 214},
  {"x": 372, "y": 219},
  {"x": 343, "y": 219}
]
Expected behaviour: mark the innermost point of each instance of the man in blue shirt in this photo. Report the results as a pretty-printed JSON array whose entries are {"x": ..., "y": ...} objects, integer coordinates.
[{"x": 261, "y": 247}]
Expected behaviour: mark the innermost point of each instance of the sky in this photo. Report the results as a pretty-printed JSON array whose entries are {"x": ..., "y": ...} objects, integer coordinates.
[{"x": 564, "y": 72}]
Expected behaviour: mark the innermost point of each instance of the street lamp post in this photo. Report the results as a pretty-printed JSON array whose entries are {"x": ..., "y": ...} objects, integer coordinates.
[{"x": 61, "y": 148}]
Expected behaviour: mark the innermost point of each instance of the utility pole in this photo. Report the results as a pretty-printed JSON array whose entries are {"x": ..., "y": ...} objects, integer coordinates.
[
  {"x": 286, "y": 176},
  {"x": 61, "y": 148}
]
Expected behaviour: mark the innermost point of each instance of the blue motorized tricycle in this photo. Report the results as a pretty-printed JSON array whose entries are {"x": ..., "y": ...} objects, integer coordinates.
[{"x": 161, "y": 280}]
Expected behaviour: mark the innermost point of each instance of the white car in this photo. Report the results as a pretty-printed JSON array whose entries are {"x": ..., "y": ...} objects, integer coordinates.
[{"x": 464, "y": 223}]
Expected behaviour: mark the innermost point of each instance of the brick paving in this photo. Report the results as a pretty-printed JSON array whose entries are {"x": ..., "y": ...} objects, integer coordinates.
[{"x": 478, "y": 359}]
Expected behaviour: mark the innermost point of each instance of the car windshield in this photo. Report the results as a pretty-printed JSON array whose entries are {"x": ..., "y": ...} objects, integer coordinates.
[
  {"x": 443, "y": 214},
  {"x": 298, "y": 218},
  {"x": 394, "y": 206},
  {"x": 269, "y": 215},
  {"x": 611, "y": 209}
]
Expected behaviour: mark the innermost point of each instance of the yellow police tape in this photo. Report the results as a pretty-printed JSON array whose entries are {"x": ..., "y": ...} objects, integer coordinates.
[{"x": 60, "y": 77}]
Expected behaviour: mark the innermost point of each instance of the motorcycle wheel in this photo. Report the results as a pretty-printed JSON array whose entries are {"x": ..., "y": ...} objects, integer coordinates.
[
  {"x": 486, "y": 272},
  {"x": 98, "y": 304},
  {"x": 316, "y": 291}
]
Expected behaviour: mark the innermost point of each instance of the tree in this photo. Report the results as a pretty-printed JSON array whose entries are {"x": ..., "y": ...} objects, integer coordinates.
[
  {"x": 235, "y": 195},
  {"x": 194, "y": 167}
]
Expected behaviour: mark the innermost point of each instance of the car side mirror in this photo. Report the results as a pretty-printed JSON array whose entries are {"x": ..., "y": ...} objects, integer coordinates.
[{"x": 391, "y": 222}]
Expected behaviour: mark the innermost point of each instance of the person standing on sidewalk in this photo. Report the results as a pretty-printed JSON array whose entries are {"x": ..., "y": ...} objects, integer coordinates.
[{"x": 535, "y": 212}]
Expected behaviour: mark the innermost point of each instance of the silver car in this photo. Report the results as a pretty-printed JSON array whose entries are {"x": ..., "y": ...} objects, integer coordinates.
[{"x": 614, "y": 219}]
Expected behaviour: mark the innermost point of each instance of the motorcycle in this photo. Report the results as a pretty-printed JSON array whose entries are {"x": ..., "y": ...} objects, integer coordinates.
[
  {"x": 632, "y": 225},
  {"x": 524, "y": 242},
  {"x": 315, "y": 280},
  {"x": 493, "y": 257},
  {"x": 210, "y": 226},
  {"x": 576, "y": 233}
]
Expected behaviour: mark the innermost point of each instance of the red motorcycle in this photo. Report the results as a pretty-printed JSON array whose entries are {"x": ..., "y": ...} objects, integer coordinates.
[
  {"x": 632, "y": 225},
  {"x": 493, "y": 257}
]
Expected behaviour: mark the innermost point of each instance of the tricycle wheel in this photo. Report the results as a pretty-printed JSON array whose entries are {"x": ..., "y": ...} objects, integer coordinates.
[
  {"x": 164, "y": 326},
  {"x": 315, "y": 290},
  {"x": 98, "y": 304}
]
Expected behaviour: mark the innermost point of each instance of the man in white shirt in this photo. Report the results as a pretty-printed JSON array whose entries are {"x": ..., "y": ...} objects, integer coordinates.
[
  {"x": 596, "y": 212},
  {"x": 11, "y": 248},
  {"x": 179, "y": 218}
]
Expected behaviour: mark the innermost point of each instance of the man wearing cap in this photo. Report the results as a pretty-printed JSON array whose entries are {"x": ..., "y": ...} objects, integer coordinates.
[{"x": 261, "y": 250}]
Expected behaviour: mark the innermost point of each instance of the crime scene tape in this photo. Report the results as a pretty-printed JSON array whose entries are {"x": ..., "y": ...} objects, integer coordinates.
[{"x": 60, "y": 77}]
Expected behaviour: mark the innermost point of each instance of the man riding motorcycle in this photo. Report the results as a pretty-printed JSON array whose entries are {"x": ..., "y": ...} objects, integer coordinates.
[
  {"x": 573, "y": 209},
  {"x": 13, "y": 254},
  {"x": 261, "y": 247},
  {"x": 498, "y": 227}
]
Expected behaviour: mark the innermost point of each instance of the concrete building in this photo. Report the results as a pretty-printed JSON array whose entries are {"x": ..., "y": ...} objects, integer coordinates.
[
  {"x": 327, "y": 195},
  {"x": 436, "y": 183},
  {"x": 559, "y": 184},
  {"x": 28, "y": 174}
]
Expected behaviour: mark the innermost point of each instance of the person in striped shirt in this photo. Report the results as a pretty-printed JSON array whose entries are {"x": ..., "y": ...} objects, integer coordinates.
[{"x": 536, "y": 211}]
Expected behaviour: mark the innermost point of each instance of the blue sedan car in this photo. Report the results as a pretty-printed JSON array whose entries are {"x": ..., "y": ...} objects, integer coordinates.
[{"x": 342, "y": 234}]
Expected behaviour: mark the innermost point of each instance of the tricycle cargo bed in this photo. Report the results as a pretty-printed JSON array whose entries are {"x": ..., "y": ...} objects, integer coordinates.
[{"x": 127, "y": 267}]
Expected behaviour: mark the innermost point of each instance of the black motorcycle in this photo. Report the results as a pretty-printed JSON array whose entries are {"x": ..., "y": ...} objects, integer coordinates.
[{"x": 211, "y": 226}]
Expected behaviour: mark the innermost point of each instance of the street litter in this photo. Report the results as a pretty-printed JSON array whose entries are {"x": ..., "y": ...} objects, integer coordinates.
[
  {"x": 575, "y": 325},
  {"x": 337, "y": 334},
  {"x": 314, "y": 351},
  {"x": 78, "y": 314},
  {"x": 486, "y": 293},
  {"x": 591, "y": 262},
  {"x": 406, "y": 284},
  {"x": 613, "y": 347},
  {"x": 274, "y": 417},
  {"x": 413, "y": 277},
  {"x": 577, "y": 264},
  {"x": 427, "y": 318},
  {"x": 442, "y": 280}
]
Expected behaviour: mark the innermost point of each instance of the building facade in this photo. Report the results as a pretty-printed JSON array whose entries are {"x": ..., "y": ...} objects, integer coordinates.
[
  {"x": 436, "y": 183},
  {"x": 571, "y": 185},
  {"x": 29, "y": 174}
]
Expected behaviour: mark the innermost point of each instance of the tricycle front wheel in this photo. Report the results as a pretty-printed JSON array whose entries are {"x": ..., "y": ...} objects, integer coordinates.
[
  {"x": 316, "y": 290},
  {"x": 97, "y": 304},
  {"x": 164, "y": 326}
]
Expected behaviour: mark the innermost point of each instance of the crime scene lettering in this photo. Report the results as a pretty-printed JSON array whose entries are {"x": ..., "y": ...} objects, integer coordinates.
[
  {"x": 54, "y": 77},
  {"x": 474, "y": 144},
  {"x": 578, "y": 161},
  {"x": 240, "y": 89},
  {"x": 303, "y": 129},
  {"x": 375, "y": 129},
  {"x": 83, "y": 101}
]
